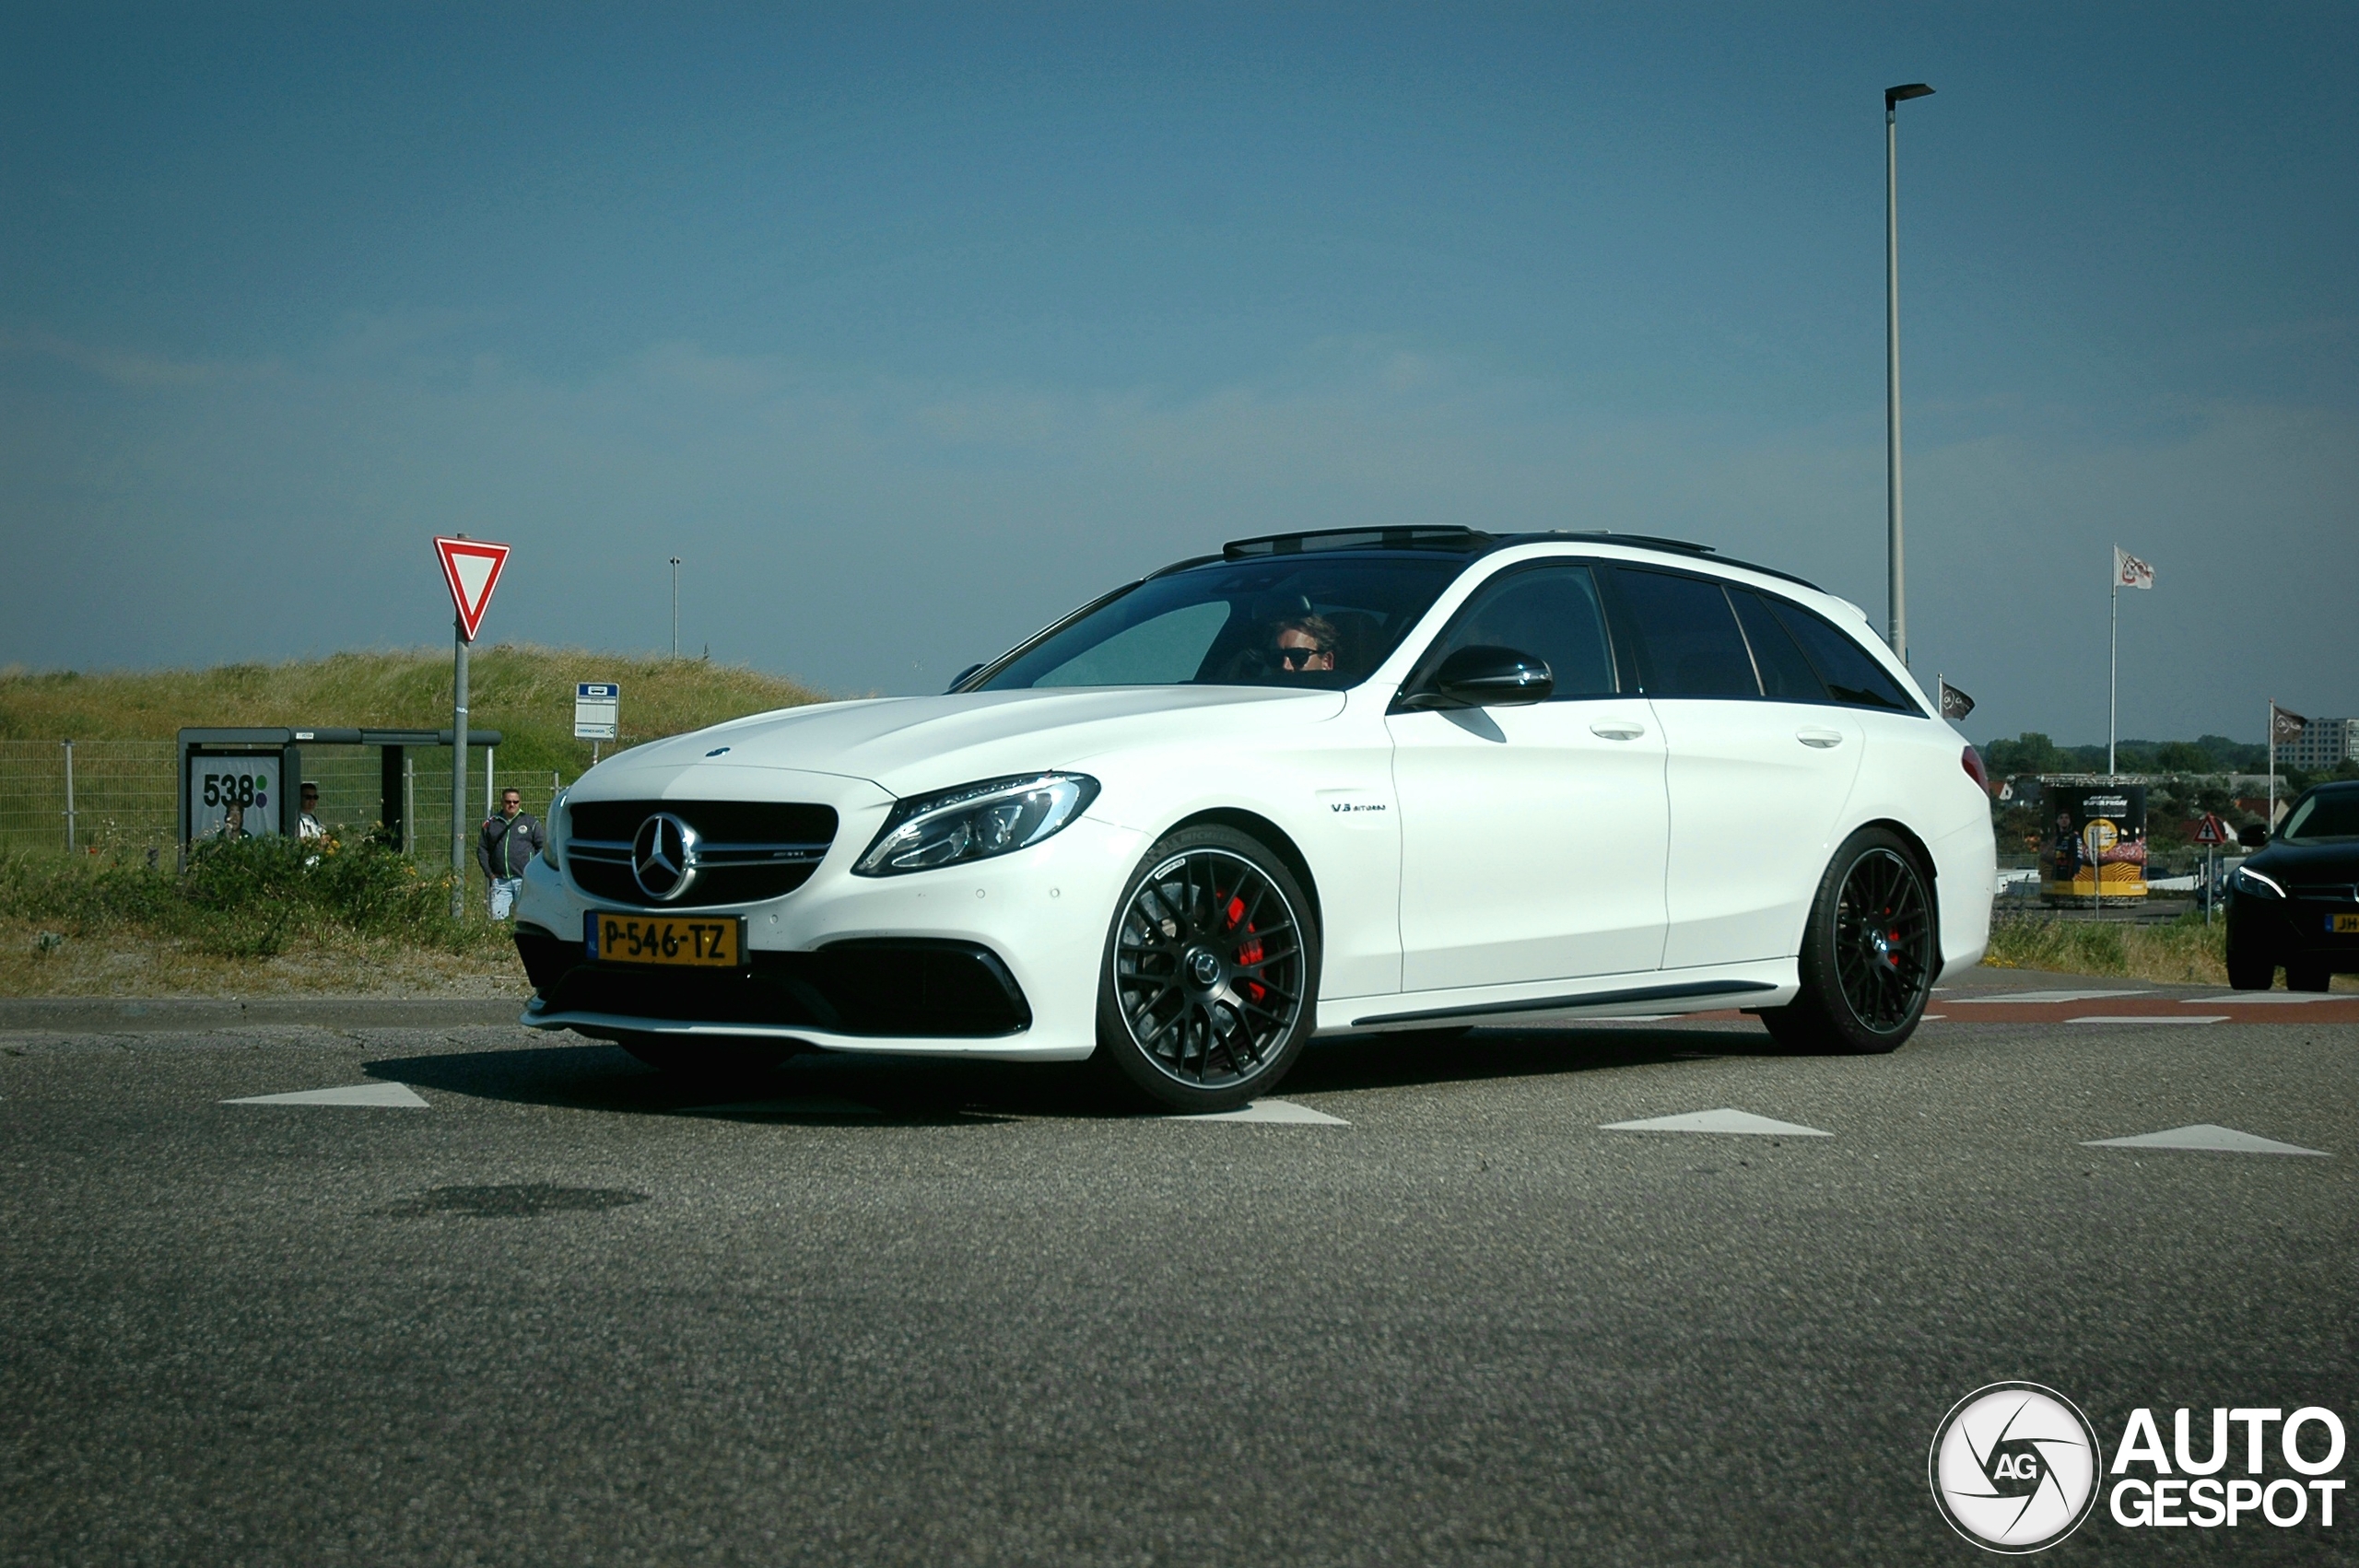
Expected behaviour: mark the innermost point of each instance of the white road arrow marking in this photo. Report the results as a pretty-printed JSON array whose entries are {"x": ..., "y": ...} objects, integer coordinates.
[
  {"x": 2043, "y": 996},
  {"x": 390, "y": 1097},
  {"x": 2152, "y": 1018},
  {"x": 1721, "y": 1120},
  {"x": 1269, "y": 1110},
  {"x": 2205, "y": 1136}
]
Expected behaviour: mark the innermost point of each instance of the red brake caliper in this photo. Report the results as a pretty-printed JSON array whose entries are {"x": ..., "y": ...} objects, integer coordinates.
[{"x": 1249, "y": 952}]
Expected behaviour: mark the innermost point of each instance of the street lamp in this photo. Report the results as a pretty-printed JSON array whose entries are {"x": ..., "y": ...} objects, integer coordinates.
[
  {"x": 675, "y": 606},
  {"x": 1897, "y": 594}
]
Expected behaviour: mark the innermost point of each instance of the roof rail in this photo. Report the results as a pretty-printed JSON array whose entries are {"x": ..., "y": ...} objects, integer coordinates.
[
  {"x": 1463, "y": 539},
  {"x": 1656, "y": 542}
]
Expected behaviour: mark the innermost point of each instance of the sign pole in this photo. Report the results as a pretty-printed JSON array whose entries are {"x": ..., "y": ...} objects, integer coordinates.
[{"x": 459, "y": 771}]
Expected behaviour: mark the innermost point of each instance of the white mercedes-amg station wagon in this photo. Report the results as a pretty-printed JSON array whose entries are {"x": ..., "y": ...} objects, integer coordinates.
[{"x": 1321, "y": 783}]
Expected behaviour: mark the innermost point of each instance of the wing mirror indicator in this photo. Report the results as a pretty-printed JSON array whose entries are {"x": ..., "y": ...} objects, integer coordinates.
[{"x": 1485, "y": 677}]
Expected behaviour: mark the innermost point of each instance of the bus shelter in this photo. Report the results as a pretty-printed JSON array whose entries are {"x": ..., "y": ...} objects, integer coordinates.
[{"x": 243, "y": 781}]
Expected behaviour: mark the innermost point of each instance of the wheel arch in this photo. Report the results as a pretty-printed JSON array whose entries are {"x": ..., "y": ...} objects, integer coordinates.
[{"x": 1271, "y": 836}]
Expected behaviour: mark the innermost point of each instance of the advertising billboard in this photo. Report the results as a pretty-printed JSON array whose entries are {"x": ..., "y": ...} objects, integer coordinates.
[{"x": 2093, "y": 830}]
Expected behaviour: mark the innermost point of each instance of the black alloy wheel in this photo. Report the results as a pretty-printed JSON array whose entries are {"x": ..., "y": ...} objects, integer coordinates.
[
  {"x": 1211, "y": 972},
  {"x": 1869, "y": 953}
]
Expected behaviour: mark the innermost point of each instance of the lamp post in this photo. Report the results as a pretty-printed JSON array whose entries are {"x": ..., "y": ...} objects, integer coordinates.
[
  {"x": 1897, "y": 591},
  {"x": 675, "y": 606}
]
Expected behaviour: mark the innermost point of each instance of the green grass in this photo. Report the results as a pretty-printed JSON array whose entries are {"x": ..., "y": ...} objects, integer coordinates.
[
  {"x": 524, "y": 692},
  {"x": 2184, "y": 952},
  {"x": 249, "y": 898}
]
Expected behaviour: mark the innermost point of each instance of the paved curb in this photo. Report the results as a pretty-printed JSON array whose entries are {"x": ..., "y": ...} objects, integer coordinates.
[{"x": 114, "y": 1015}]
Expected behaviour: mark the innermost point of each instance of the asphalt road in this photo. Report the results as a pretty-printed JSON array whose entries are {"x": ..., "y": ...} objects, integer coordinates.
[{"x": 562, "y": 1310}]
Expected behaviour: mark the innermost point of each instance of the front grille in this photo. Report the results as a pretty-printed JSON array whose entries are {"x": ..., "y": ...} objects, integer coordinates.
[
  {"x": 746, "y": 851},
  {"x": 2327, "y": 892},
  {"x": 877, "y": 987}
]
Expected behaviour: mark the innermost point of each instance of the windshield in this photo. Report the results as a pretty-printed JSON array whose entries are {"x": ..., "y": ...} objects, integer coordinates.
[
  {"x": 1320, "y": 621},
  {"x": 2323, "y": 814}
]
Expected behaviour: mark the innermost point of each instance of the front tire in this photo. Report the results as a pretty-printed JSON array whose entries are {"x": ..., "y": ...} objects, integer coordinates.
[
  {"x": 1211, "y": 976},
  {"x": 1868, "y": 953},
  {"x": 2316, "y": 976},
  {"x": 2250, "y": 971}
]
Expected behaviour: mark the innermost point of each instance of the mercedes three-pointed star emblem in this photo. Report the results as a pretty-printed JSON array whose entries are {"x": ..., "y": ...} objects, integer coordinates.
[{"x": 663, "y": 857}]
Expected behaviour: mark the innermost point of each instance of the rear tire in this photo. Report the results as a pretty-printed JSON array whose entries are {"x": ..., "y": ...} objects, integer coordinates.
[
  {"x": 2313, "y": 976},
  {"x": 1868, "y": 953},
  {"x": 1210, "y": 982},
  {"x": 2250, "y": 971}
]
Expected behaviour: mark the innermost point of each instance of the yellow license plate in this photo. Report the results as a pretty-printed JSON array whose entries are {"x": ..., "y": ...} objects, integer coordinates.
[
  {"x": 715, "y": 942},
  {"x": 2344, "y": 925}
]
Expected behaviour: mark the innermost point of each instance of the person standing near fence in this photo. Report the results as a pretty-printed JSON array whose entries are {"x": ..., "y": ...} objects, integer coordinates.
[{"x": 507, "y": 845}]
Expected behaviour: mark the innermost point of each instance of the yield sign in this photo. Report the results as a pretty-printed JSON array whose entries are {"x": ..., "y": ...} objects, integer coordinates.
[{"x": 471, "y": 568}]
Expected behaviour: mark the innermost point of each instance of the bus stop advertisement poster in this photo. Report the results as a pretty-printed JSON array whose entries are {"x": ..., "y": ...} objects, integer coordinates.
[
  {"x": 235, "y": 795},
  {"x": 2094, "y": 829}
]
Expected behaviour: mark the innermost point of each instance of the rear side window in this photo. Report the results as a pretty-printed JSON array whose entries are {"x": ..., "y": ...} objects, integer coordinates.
[
  {"x": 1786, "y": 675},
  {"x": 1551, "y": 612},
  {"x": 1688, "y": 640},
  {"x": 1850, "y": 675}
]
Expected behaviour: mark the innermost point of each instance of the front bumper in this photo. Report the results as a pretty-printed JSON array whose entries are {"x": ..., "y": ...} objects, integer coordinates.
[
  {"x": 998, "y": 959},
  {"x": 2294, "y": 929}
]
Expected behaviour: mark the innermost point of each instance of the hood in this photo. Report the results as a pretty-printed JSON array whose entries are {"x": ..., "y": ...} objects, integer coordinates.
[
  {"x": 2308, "y": 862},
  {"x": 913, "y": 744}
]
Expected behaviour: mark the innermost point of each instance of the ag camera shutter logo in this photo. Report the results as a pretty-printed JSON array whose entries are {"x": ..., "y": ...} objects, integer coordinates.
[{"x": 2014, "y": 1468}]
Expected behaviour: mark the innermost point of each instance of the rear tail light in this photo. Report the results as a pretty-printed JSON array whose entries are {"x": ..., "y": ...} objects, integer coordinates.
[{"x": 1971, "y": 760}]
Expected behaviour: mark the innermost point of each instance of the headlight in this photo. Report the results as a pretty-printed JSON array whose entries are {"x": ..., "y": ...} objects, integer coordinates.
[
  {"x": 2250, "y": 882},
  {"x": 975, "y": 821},
  {"x": 557, "y": 829}
]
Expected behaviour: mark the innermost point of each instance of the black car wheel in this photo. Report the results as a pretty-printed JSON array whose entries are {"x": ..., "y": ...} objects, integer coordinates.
[
  {"x": 1211, "y": 972},
  {"x": 1868, "y": 954},
  {"x": 2313, "y": 976},
  {"x": 2250, "y": 971}
]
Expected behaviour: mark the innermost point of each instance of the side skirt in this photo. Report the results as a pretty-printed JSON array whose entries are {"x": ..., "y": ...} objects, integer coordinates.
[{"x": 1688, "y": 991}]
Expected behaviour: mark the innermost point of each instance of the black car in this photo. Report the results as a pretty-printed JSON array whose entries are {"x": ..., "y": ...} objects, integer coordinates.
[{"x": 2296, "y": 903}]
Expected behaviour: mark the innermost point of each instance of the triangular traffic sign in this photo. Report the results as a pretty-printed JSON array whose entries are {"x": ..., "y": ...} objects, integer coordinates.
[{"x": 470, "y": 568}]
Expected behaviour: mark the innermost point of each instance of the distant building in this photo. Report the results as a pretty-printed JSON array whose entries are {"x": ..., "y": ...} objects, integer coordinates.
[{"x": 2325, "y": 742}]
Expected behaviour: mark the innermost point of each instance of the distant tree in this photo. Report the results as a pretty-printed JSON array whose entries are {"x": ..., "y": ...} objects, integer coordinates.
[
  {"x": 2184, "y": 756},
  {"x": 2030, "y": 752},
  {"x": 2240, "y": 756}
]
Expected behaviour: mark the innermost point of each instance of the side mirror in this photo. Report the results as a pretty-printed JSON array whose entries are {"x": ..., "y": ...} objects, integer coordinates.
[
  {"x": 2252, "y": 837},
  {"x": 1485, "y": 677},
  {"x": 962, "y": 676}
]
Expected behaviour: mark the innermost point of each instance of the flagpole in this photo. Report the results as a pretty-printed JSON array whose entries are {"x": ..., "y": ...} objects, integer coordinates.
[
  {"x": 2272, "y": 823},
  {"x": 2113, "y": 662}
]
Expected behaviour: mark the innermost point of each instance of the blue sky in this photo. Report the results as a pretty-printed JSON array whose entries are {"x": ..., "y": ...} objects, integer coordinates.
[{"x": 910, "y": 327}]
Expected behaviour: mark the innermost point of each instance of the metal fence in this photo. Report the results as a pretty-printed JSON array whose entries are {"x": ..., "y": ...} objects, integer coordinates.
[{"x": 94, "y": 796}]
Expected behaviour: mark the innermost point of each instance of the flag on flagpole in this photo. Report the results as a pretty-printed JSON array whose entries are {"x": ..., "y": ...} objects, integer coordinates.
[
  {"x": 1955, "y": 704},
  {"x": 2129, "y": 571},
  {"x": 2285, "y": 727}
]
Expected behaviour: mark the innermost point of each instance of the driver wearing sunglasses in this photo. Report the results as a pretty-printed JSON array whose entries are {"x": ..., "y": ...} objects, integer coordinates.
[{"x": 1304, "y": 643}]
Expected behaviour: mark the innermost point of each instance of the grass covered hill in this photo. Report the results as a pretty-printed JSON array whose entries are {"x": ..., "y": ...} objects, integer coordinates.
[{"x": 524, "y": 692}]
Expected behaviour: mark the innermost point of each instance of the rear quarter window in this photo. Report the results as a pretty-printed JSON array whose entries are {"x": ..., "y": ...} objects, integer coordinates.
[{"x": 1850, "y": 675}]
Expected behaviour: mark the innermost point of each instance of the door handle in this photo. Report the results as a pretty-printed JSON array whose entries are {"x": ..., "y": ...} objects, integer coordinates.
[
  {"x": 1819, "y": 738},
  {"x": 1618, "y": 730}
]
